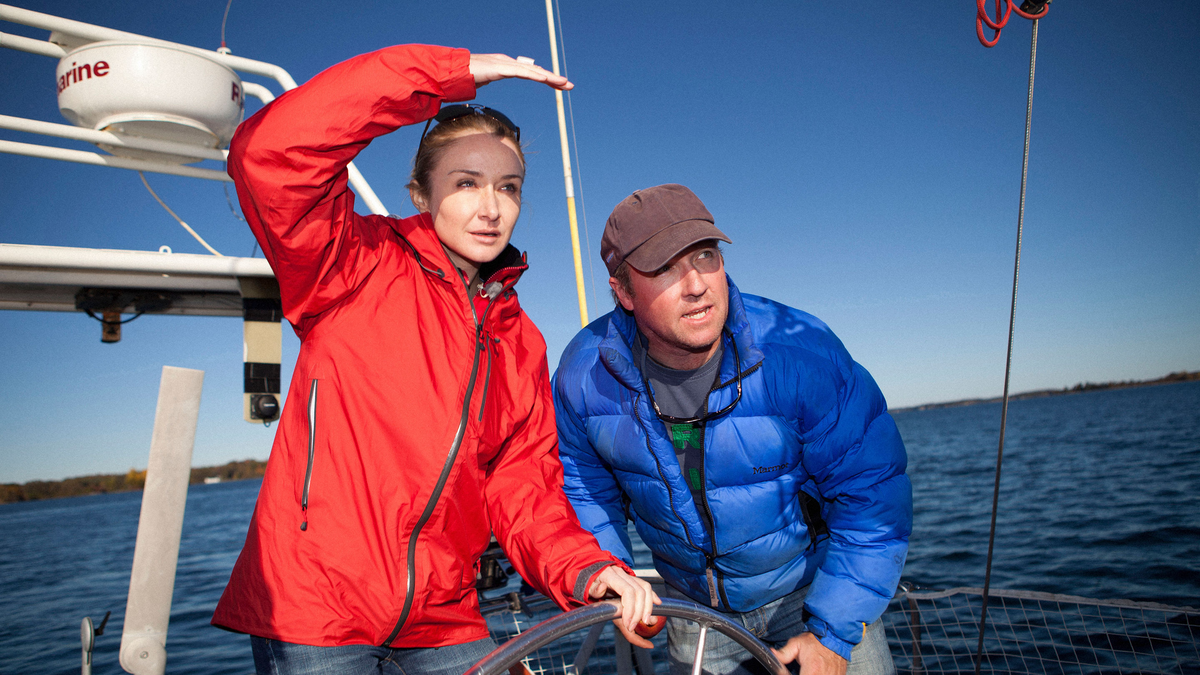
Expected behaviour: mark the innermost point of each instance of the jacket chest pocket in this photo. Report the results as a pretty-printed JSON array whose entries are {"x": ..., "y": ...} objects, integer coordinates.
[
  {"x": 502, "y": 395},
  {"x": 492, "y": 359}
]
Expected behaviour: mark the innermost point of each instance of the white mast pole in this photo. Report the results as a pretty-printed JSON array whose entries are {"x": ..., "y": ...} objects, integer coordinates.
[
  {"x": 566, "y": 159},
  {"x": 160, "y": 526}
]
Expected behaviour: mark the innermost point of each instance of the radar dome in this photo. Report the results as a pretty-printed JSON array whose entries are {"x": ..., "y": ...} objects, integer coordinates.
[{"x": 152, "y": 91}]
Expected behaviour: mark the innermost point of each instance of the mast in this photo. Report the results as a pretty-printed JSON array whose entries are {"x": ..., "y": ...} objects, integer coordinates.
[{"x": 566, "y": 159}]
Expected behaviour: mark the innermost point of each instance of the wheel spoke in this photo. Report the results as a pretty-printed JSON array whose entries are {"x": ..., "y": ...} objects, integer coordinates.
[{"x": 698, "y": 659}]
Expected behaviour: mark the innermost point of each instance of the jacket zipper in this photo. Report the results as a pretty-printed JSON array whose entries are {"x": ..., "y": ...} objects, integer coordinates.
[
  {"x": 312, "y": 450},
  {"x": 710, "y": 558},
  {"x": 411, "y": 579},
  {"x": 671, "y": 499},
  {"x": 716, "y": 582},
  {"x": 487, "y": 378},
  {"x": 810, "y": 511},
  {"x": 661, "y": 475},
  {"x": 718, "y": 588}
]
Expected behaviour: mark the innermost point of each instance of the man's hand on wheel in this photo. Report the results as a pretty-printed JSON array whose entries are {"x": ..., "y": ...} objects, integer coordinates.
[{"x": 813, "y": 657}]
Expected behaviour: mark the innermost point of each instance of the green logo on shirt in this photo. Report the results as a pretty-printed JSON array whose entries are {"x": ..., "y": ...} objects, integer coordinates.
[
  {"x": 682, "y": 434},
  {"x": 694, "y": 478}
]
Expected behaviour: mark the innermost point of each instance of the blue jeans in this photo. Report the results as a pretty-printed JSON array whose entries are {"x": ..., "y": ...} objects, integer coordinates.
[
  {"x": 272, "y": 657},
  {"x": 774, "y": 623}
]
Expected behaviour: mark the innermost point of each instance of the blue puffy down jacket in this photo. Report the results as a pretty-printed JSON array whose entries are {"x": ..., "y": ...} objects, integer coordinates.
[{"x": 810, "y": 419}]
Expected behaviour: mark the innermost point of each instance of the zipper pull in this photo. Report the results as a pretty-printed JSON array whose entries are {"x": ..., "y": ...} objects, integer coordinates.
[
  {"x": 491, "y": 290},
  {"x": 712, "y": 587},
  {"x": 712, "y": 582}
]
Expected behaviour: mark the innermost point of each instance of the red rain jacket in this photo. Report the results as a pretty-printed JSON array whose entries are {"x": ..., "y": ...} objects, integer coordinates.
[{"x": 394, "y": 373}]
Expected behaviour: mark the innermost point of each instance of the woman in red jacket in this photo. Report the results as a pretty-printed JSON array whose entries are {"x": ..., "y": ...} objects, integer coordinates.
[{"x": 419, "y": 419}]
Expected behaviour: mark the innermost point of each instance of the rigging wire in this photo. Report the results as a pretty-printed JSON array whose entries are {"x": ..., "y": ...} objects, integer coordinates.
[
  {"x": 228, "y": 200},
  {"x": 224, "y": 49},
  {"x": 177, "y": 218},
  {"x": 234, "y": 211},
  {"x": 578, "y": 168},
  {"x": 224, "y": 19},
  {"x": 225, "y": 186},
  {"x": 1012, "y": 318}
]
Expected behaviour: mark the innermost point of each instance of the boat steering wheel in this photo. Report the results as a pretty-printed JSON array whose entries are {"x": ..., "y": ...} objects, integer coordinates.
[{"x": 510, "y": 653}]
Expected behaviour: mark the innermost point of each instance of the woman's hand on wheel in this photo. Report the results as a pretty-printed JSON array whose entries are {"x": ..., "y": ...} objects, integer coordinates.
[
  {"x": 487, "y": 68},
  {"x": 637, "y": 601}
]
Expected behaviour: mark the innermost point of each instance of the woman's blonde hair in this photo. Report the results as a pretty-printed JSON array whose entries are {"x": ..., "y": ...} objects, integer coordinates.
[{"x": 442, "y": 136}]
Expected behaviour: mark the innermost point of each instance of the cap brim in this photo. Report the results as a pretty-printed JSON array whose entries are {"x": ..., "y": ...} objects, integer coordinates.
[{"x": 659, "y": 249}]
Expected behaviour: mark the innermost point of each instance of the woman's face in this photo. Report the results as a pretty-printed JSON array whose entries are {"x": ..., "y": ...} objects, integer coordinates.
[{"x": 475, "y": 198}]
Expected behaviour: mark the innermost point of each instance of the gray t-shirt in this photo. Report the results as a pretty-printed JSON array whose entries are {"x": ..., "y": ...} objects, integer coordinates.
[{"x": 683, "y": 393}]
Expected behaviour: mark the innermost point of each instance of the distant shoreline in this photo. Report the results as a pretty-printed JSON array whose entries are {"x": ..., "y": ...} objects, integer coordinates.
[
  {"x": 131, "y": 481},
  {"x": 1082, "y": 387},
  {"x": 250, "y": 468}
]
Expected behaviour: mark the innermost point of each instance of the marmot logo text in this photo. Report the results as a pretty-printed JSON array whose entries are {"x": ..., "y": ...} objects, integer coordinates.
[{"x": 769, "y": 469}]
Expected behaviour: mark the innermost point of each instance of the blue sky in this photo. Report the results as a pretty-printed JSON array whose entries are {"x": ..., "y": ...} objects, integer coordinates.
[{"x": 864, "y": 159}]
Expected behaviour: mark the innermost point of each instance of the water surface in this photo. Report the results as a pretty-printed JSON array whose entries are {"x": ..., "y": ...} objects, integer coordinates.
[{"x": 1100, "y": 498}]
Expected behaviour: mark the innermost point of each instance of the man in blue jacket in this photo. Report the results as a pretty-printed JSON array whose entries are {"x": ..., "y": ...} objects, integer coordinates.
[{"x": 755, "y": 457}]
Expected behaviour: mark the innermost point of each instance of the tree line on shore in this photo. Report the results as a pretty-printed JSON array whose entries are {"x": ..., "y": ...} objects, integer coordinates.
[
  {"x": 1081, "y": 387},
  {"x": 126, "y": 482}
]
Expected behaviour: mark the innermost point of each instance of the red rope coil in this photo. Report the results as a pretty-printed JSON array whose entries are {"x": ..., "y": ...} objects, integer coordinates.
[{"x": 1004, "y": 10}]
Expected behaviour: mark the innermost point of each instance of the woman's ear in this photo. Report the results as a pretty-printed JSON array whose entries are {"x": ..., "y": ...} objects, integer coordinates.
[{"x": 418, "y": 200}]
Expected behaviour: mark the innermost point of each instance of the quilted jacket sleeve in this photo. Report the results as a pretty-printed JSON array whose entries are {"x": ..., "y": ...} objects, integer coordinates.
[
  {"x": 289, "y": 164},
  {"x": 858, "y": 460},
  {"x": 530, "y": 515},
  {"x": 589, "y": 483}
]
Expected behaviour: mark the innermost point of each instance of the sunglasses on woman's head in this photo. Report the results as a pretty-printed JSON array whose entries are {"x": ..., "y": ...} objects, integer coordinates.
[{"x": 452, "y": 112}]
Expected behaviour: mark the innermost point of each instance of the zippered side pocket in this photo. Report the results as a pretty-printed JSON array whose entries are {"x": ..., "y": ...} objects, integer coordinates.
[
  {"x": 312, "y": 449},
  {"x": 810, "y": 510}
]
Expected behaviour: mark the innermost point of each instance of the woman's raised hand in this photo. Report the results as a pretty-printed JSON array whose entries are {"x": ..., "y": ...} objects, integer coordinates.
[
  {"x": 487, "y": 68},
  {"x": 637, "y": 601}
]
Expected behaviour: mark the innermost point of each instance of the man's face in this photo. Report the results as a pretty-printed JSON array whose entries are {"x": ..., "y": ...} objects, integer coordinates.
[{"x": 680, "y": 307}]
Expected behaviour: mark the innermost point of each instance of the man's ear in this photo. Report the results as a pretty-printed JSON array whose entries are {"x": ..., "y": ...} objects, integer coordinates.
[
  {"x": 418, "y": 200},
  {"x": 624, "y": 298}
]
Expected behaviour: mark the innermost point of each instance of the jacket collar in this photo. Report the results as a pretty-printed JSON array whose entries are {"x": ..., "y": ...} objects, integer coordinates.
[
  {"x": 505, "y": 270},
  {"x": 617, "y": 353}
]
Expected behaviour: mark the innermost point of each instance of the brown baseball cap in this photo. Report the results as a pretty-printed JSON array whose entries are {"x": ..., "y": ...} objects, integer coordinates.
[{"x": 651, "y": 226}]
